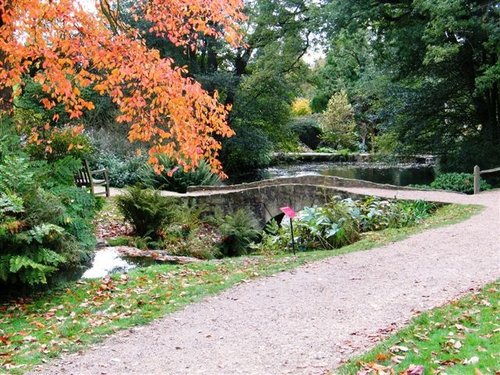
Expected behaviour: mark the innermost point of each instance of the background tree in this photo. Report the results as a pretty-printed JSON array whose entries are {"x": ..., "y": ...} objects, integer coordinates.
[
  {"x": 337, "y": 122},
  {"x": 434, "y": 69}
]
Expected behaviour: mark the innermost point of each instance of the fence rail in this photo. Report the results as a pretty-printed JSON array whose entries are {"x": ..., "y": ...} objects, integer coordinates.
[{"x": 477, "y": 176}]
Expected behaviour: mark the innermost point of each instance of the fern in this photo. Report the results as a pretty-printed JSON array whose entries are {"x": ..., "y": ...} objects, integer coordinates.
[
  {"x": 10, "y": 203},
  {"x": 180, "y": 180},
  {"x": 146, "y": 210},
  {"x": 45, "y": 221},
  {"x": 44, "y": 232},
  {"x": 60, "y": 173},
  {"x": 238, "y": 231},
  {"x": 29, "y": 270},
  {"x": 16, "y": 174}
]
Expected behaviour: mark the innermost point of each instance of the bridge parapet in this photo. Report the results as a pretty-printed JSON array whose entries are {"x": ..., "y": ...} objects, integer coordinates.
[{"x": 332, "y": 181}]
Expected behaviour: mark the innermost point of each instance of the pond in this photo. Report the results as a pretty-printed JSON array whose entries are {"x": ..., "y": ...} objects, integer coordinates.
[{"x": 394, "y": 174}]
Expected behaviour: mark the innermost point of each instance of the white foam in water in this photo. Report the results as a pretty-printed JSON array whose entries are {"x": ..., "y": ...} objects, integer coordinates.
[{"x": 105, "y": 262}]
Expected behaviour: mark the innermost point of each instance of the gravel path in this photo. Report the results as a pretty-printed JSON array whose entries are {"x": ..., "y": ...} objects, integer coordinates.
[{"x": 310, "y": 319}]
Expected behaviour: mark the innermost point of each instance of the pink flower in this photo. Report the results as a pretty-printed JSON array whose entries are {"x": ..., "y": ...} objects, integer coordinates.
[{"x": 288, "y": 211}]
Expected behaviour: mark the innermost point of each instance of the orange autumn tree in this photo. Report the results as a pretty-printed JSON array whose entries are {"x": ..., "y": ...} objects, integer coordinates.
[{"x": 66, "y": 48}]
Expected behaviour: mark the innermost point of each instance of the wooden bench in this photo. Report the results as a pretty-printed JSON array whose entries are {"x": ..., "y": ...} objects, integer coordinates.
[{"x": 87, "y": 178}]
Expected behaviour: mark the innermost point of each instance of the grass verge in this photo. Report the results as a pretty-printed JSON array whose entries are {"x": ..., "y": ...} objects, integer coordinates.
[
  {"x": 462, "y": 337},
  {"x": 33, "y": 331}
]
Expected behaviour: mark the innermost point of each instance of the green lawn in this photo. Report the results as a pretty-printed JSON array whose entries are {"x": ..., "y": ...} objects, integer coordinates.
[
  {"x": 462, "y": 337},
  {"x": 66, "y": 320}
]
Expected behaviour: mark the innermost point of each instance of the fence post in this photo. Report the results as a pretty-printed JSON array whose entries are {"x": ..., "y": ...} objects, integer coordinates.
[{"x": 477, "y": 177}]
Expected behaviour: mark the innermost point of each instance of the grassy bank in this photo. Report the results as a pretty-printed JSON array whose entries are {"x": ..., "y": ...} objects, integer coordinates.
[
  {"x": 65, "y": 320},
  {"x": 462, "y": 337}
]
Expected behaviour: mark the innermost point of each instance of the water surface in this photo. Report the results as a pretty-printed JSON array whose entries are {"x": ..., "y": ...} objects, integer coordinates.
[{"x": 394, "y": 174}]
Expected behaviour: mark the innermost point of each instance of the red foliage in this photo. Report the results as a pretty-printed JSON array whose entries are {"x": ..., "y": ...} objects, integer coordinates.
[{"x": 67, "y": 48}]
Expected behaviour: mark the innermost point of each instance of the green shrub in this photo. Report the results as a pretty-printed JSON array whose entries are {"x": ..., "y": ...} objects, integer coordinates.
[
  {"x": 460, "y": 182},
  {"x": 179, "y": 181},
  {"x": 45, "y": 222},
  {"x": 308, "y": 130},
  {"x": 327, "y": 227},
  {"x": 238, "y": 230},
  {"x": 386, "y": 143},
  {"x": 199, "y": 242},
  {"x": 248, "y": 150},
  {"x": 374, "y": 214},
  {"x": 191, "y": 233},
  {"x": 146, "y": 210},
  {"x": 340, "y": 222},
  {"x": 123, "y": 170},
  {"x": 275, "y": 240},
  {"x": 338, "y": 123}
]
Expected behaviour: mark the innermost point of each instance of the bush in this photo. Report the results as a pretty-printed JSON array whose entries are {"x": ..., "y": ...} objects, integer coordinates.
[
  {"x": 179, "y": 181},
  {"x": 340, "y": 223},
  {"x": 122, "y": 170},
  {"x": 308, "y": 130},
  {"x": 471, "y": 151},
  {"x": 45, "y": 221},
  {"x": 301, "y": 107},
  {"x": 459, "y": 182},
  {"x": 248, "y": 150},
  {"x": 275, "y": 240},
  {"x": 374, "y": 214},
  {"x": 113, "y": 151},
  {"x": 146, "y": 210},
  {"x": 338, "y": 124},
  {"x": 386, "y": 143},
  {"x": 327, "y": 227},
  {"x": 238, "y": 231},
  {"x": 200, "y": 241}
]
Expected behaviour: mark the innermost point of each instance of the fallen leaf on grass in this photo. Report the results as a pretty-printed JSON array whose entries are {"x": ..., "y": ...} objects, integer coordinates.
[
  {"x": 375, "y": 369},
  {"x": 4, "y": 340},
  {"x": 398, "y": 348},
  {"x": 448, "y": 362},
  {"x": 397, "y": 359},
  {"x": 39, "y": 325},
  {"x": 471, "y": 361},
  {"x": 382, "y": 357},
  {"x": 414, "y": 370},
  {"x": 29, "y": 339}
]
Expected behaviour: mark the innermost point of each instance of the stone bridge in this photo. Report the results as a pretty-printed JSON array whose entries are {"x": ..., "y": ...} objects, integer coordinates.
[{"x": 265, "y": 198}]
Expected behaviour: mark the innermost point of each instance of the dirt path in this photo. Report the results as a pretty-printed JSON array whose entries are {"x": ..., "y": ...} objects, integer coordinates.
[{"x": 309, "y": 319}]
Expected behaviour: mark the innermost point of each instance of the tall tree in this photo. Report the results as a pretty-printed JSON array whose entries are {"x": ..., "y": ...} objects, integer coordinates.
[
  {"x": 67, "y": 49},
  {"x": 440, "y": 67}
]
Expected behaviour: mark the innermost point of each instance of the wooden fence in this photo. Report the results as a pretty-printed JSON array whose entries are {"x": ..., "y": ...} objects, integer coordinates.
[{"x": 477, "y": 176}]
